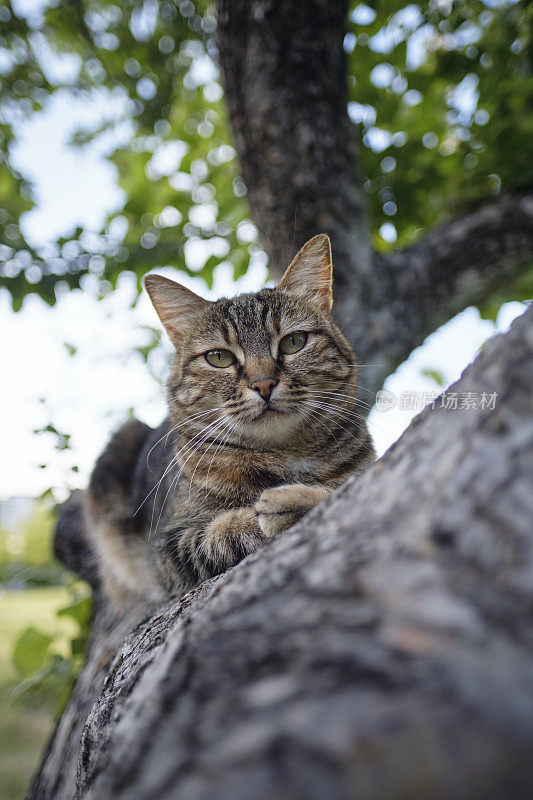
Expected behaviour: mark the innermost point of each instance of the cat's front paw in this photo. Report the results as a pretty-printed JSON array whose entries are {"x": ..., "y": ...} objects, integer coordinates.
[{"x": 282, "y": 506}]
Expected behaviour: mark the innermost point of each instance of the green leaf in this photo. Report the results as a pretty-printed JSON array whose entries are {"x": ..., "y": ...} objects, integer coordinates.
[
  {"x": 77, "y": 645},
  {"x": 434, "y": 375},
  {"x": 70, "y": 348},
  {"x": 80, "y": 611},
  {"x": 31, "y": 651},
  {"x": 433, "y": 159}
]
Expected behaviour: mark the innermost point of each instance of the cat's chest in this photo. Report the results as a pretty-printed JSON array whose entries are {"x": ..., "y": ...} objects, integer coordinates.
[
  {"x": 260, "y": 471},
  {"x": 241, "y": 476},
  {"x": 300, "y": 469},
  {"x": 278, "y": 467}
]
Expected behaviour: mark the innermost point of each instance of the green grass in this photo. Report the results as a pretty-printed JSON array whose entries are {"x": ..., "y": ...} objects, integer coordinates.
[
  {"x": 26, "y": 723},
  {"x": 23, "y": 733}
]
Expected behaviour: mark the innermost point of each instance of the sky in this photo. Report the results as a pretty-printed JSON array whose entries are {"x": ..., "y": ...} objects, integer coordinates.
[{"x": 88, "y": 395}]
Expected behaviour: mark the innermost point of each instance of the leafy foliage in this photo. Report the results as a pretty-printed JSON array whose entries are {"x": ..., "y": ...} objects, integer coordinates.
[
  {"x": 440, "y": 93},
  {"x": 443, "y": 92},
  {"x": 26, "y": 559},
  {"x": 30, "y": 651},
  {"x": 47, "y": 664},
  {"x": 46, "y": 661}
]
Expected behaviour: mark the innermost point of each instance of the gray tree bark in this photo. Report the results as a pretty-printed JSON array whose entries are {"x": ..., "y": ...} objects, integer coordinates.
[
  {"x": 380, "y": 649},
  {"x": 284, "y": 72}
]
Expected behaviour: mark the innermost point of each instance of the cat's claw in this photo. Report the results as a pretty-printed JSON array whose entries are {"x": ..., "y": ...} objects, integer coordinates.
[{"x": 279, "y": 508}]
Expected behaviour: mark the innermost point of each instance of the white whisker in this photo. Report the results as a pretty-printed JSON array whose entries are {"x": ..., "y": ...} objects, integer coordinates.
[
  {"x": 350, "y": 398},
  {"x": 326, "y": 405},
  {"x": 154, "y": 488},
  {"x": 340, "y": 406},
  {"x": 193, "y": 447},
  {"x": 223, "y": 424},
  {"x": 349, "y": 383},
  {"x": 344, "y": 414},
  {"x": 336, "y": 423},
  {"x": 229, "y": 431},
  {"x": 174, "y": 428},
  {"x": 329, "y": 432}
]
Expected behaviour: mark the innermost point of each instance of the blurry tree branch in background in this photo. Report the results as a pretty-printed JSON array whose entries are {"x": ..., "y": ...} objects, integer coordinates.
[
  {"x": 284, "y": 69},
  {"x": 371, "y": 122}
]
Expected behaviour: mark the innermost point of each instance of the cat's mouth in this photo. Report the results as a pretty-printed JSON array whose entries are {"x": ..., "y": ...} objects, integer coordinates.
[
  {"x": 270, "y": 425},
  {"x": 268, "y": 411}
]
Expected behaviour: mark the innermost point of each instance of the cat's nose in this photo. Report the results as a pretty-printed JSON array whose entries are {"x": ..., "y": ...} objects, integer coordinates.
[{"x": 264, "y": 386}]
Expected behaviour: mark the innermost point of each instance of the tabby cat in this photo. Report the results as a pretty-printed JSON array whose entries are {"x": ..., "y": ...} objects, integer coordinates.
[{"x": 262, "y": 426}]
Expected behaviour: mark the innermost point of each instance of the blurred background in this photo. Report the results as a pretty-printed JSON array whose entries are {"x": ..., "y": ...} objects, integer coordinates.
[{"x": 116, "y": 158}]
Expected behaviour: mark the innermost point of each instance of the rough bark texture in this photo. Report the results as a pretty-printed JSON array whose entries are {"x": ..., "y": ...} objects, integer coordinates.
[
  {"x": 57, "y": 774},
  {"x": 284, "y": 72},
  {"x": 380, "y": 649}
]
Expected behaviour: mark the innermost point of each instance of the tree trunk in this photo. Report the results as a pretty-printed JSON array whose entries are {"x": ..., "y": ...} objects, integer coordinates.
[
  {"x": 380, "y": 649},
  {"x": 284, "y": 73}
]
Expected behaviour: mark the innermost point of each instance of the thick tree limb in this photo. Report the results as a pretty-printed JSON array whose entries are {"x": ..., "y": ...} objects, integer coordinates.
[
  {"x": 284, "y": 72},
  {"x": 380, "y": 649},
  {"x": 57, "y": 774},
  {"x": 458, "y": 264}
]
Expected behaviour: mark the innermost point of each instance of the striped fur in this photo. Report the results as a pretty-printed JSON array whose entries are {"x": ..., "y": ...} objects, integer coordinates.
[{"x": 236, "y": 469}]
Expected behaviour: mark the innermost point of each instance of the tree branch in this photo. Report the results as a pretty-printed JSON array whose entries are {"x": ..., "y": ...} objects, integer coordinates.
[
  {"x": 460, "y": 263},
  {"x": 380, "y": 649},
  {"x": 284, "y": 72}
]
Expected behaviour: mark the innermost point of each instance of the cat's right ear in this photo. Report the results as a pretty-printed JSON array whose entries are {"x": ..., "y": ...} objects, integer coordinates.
[
  {"x": 176, "y": 306},
  {"x": 310, "y": 272}
]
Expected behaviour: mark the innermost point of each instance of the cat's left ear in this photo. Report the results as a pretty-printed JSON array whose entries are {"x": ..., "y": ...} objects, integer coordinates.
[
  {"x": 310, "y": 272},
  {"x": 176, "y": 306}
]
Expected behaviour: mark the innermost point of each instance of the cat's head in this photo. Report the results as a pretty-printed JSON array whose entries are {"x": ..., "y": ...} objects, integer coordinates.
[{"x": 263, "y": 362}]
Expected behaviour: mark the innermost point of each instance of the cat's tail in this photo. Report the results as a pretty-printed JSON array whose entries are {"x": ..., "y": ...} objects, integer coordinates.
[
  {"x": 71, "y": 544},
  {"x": 111, "y": 481},
  {"x": 117, "y": 535}
]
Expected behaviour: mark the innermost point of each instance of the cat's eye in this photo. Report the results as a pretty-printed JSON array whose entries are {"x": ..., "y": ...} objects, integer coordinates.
[
  {"x": 292, "y": 343},
  {"x": 220, "y": 358}
]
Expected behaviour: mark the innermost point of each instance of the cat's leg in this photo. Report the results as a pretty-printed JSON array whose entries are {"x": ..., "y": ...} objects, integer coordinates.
[
  {"x": 231, "y": 536},
  {"x": 124, "y": 563},
  {"x": 189, "y": 554},
  {"x": 282, "y": 506}
]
